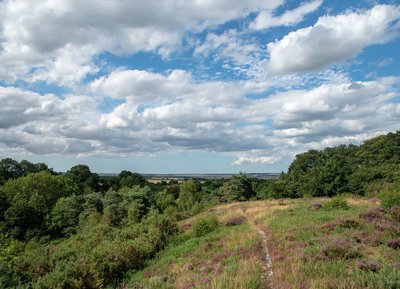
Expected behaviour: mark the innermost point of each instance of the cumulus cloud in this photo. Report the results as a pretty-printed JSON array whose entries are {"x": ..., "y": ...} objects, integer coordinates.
[
  {"x": 142, "y": 85},
  {"x": 259, "y": 131},
  {"x": 335, "y": 110},
  {"x": 265, "y": 19},
  {"x": 55, "y": 41},
  {"x": 333, "y": 39}
]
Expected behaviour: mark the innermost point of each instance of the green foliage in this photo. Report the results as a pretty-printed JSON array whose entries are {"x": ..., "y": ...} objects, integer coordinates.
[
  {"x": 31, "y": 198},
  {"x": 356, "y": 169},
  {"x": 129, "y": 179},
  {"x": 188, "y": 195},
  {"x": 11, "y": 169},
  {"x": 164, "y": 199},
  {"x": 203, "y": 226},
  {"x": 390, "y": 198},
  {"x": 238, "y": 188},
  {"x": 64, "y": 216},
  {"x": 3, "y": 204},
  {"x": 84, "y": 178},
  {"x": 337, "y": 202},
  {"x": 96, "y": 257}
]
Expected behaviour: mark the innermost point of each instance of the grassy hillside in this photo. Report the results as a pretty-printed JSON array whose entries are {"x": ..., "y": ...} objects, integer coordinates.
[{"x": 314, "y": 243}]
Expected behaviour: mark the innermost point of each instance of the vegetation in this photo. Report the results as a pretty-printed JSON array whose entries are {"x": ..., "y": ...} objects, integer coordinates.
[
  {"x": 361, "y": 170},
  {"x": 352, "y": 247},
  {"x": 82, "y": 230}
]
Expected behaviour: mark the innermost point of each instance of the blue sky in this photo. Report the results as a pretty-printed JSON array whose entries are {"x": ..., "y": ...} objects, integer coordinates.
[{"x": 194, "y": 86}]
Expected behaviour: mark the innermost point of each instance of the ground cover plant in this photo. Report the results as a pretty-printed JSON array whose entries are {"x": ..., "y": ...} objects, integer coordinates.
[{"x": 351, "y": 246}]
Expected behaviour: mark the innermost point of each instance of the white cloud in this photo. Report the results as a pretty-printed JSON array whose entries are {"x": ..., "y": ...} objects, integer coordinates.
[
  {"x": 253, "y": 160},
  {"x": 265, "y": 19},
  {"x": 335, "y": 110},
  {"x": 55, "y": 41},
  {"x": 384, "y": 62},
  {"x": 143, "y": 86},
  {"x": 212, "y": 116},
  {"x": 333, "y": 39},
  {"x": 229, "y": 45}
]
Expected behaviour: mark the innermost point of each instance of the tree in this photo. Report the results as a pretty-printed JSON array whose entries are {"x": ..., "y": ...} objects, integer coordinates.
[
  {"x": 129, "y": 179},
  {"x": 64, "y": 216},
  {"x": 188, "y": 195},
  {"x": 164, "y": 200},
  {"x": 238, "y": 188},
  {"x": 84, "y": 178},
  {"x": 9, "y": 169},
  {"x": 3, "y": 204},
  {"x": 28, "y": 167},
  {"x": 35, "y": 194}
]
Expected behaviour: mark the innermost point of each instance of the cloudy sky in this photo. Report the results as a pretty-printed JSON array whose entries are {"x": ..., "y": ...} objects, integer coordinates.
[{"x": 168, "y": 86}]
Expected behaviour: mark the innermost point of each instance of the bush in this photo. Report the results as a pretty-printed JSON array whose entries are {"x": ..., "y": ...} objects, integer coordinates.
[
  {"x": 368, "y": 265},
  {"x": 339, "y": 249},
  {"x": 395, "y": 212},
  {"x": 204, "y": 226},
  {"x": 337, "y": 202},
  {"x": 234, "y": 221},
  {"x": 395, "y": 243},
  {"x": 389, "y": 198}
]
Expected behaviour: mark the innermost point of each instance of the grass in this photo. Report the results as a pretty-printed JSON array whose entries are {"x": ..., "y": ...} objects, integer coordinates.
[
  {"x": 228, "y": 257},
  {"x": 335, "y": 248},
  {"x": 312, "y": 245}
]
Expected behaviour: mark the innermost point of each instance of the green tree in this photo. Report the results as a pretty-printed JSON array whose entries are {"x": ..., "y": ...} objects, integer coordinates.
[
  {"x": 188, "y": 195},
  {"x": 113, "y": 211},
  {"x": 238, "y": 188},
  {"x": 64, "y": 216},
  {"x": 28, "y": 167},
  {"x": 84, "y": 178},
  {"x": 164, "y": 200},
  {"x": 9, "y": 169},
  {"x": 129, "y": 179},
  {"x": 35, "y": 193}
]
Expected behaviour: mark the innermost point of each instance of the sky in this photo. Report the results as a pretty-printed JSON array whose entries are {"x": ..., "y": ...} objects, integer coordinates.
[{"x": 194, "y": 86}]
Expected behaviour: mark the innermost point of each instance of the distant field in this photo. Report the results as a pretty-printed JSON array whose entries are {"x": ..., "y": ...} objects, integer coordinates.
[{"x": 155, "y": 178}]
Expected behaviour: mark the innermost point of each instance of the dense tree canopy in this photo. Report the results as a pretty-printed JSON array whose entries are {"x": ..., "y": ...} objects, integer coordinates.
[
  {"x": 11, "y": 169},
  {"x": 31, "y": 198},
  {"x": 345, "y": 169}
]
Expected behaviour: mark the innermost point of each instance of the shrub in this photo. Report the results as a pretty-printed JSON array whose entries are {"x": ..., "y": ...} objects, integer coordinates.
[
  {"x": 339, "y": 249},
  {"x": 395, "y": 243},
  {"x": 234, "y": 221},
  {"x": 316, "y": 206},
  {"x": 373, "y": 215},
  {"x": 389, "y": 198},
  {"x": 337, "y": 202},
  {"x": 395, "y": 212},
  {"x": 368, "y": 265},
  {"x": 204, "y": 226}
]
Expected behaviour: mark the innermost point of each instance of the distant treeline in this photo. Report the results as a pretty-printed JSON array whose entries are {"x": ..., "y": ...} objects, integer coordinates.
[{"x": 82, "y": 230}]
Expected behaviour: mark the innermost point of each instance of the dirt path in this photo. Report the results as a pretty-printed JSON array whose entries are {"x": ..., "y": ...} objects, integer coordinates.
[{"x": 266, "y": 270}]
